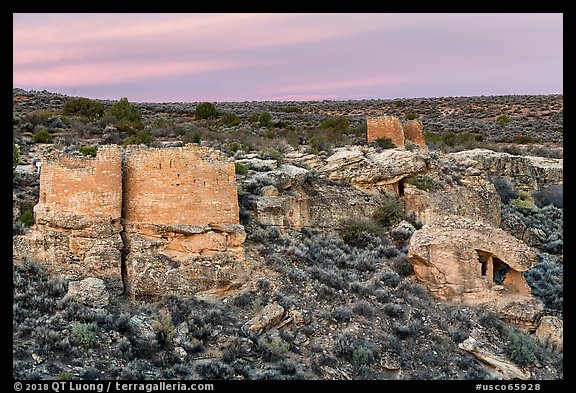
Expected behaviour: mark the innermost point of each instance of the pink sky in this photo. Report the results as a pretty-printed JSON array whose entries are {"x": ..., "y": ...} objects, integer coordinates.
[{"x": 257, "y": 57}]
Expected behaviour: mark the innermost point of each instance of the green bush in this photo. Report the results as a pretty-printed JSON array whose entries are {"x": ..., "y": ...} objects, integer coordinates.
[
  {"x": 264, "y": 120},
  {"x": 234, "y": 146},
  {"x": 384, "y": 143},
  {"x": 272, "y": 154},
  {"x": 524, "y": 201},
  {"x": 140, "y": 138},
  {"x": 230, "y": 120},
  {"x": 292, "y": 109},
  {"x": 38, "y": 117},
  {"x": 88, "y": 151},
  {"x": 398, "y": 102},
  {"x": 83, "y": 107},
  {"x": 15, "y": 155},
  {"x": 254, "y": 117},
  {"x": 42, "y": 136},
  {"x": 523, "y": 139},
  {"x": 206, "y": 110},
  {"x": 359, "y": 232},
  {"x": 124, "y": 110},
  {"x": 390, "y": 211},
  {"x": 27, "y": 218},
  {"x": 411, "y": 116},
  {"x": 339, "y": 123},
  {"x": 82, "y": 334},
  {"x": 422, "y": 182},
  {"x": 240, "y": 168},
  {"x": 502, "y": 120},
  {"x": 164, "y": 329},
  {"x": 520, "y": 348}
]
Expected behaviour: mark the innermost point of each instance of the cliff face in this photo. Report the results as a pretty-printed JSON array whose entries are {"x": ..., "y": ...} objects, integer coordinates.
[{"x": 527, "y": 173}]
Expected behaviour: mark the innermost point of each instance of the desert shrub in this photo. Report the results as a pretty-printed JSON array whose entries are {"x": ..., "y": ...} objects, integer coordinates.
[
  {"x": 124, "y": 110},
  {"x": 344, "y": 345},
  {"x": 393, "y": 310},
  {"x": 342, "y": 314},
  {"x": 274, "y": 345},
  {"x": 364, "y": 308},
  {"x": 164, "y": 329},
  {"x": 265, "y": 120},
  {"x": 384, "y": 143},
  {"x": 398, "y": 103},
  {"x": 390, "y": 279},
  {"x": 505, "y": 190},
  {"x": 411, "y": 116},
  {"x": 38, "y": 117},
  {"x": 140, "y": 138},
  {"x": 422, "y": 182},
  {"x": 254, "y": 118},
  {"x": 524, "y": 201},
  {"x": 15, "y": 156},
  {"x": 390, "y": 211},
  {"x": 213, "y": 369},
  {"x": 502, "y": 120},
  {"x": 234, "y": 146},
  {"x": 82, "y": 334},
  {"x": 292, "y": 109},
  {"x": 83, "y": 107},
  {"x": 362, "y": 356},
  {"x": 230, "y": 120},
  {"x": 88, "y": 151},
  {"x": 339, "y": 123},
  {"x": 359, "y": 232},
  {"x": 552, "y": 195},
  {"x": 27, "y": 218},
  {"x": 520, "y": 348},
  {"x": 270, "y": 153},
  {"x": 42, "y": 136},
  {"x": 206, "y": 110},
  {"x": 240, "y": 168},
  {"x": 523, "y": 139},
  {"x": 547, "y": 283}
]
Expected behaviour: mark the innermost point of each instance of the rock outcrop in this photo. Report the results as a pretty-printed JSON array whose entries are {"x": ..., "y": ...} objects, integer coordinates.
[
  {"x": 461, "y": 260},
  {"x": 473, "y": 197},
  {"x": 527, "y": 173},
  {"x": 368, "y": 169},
  {"x": 91, "y": 291},
  {"x": 550, "y": 332}
]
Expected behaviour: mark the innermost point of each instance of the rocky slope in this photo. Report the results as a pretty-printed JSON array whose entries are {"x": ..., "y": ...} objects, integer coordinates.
[{"x": 331, "y": 293}]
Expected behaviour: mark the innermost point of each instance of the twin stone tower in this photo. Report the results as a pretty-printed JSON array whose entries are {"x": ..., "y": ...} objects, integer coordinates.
[{"x": 147, "y": 221}]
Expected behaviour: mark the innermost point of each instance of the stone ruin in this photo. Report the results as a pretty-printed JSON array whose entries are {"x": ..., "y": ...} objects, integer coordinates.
[
  {"x": 148, "y": 221},
  {"x": 459, "y": 259},
  {"x": 392, "y": 128}
]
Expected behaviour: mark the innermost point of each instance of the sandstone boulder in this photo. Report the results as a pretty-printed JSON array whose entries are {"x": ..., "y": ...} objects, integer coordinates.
[
  {"x": 550, "y": 332},
  {"x": 458, "y": 258},
  {"x": 91, "y": 291},
  {"x": 385, "y": 127},
  {"x": 367, "y": 169},
  {"x": 266, "y": 318}
]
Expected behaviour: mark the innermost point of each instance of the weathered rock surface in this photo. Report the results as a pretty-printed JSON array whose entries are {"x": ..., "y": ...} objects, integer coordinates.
[
  {"x": 385, "y": 127},
  {"x": 445, "y": 256},
  {"x": 316, "y": 205},
  {"x": 473, "y": 197},
  {"x": 91, "y": 291},
  {"x": 550, "y": 332},
  {"x": 269, "y": 316},
  {"x": 502, "y": 367},
  {"x": 367, "y": 169},
  {"x": 527, "y": 173}
]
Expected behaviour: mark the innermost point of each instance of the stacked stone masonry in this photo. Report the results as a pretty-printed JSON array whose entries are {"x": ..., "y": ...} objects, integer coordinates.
[
  {"x": 146, "y": 220},
  {"x": 391, "y": 127}
]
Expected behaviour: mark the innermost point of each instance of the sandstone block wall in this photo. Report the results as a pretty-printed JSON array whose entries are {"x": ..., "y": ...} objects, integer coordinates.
[
  {"x": 385, "y": 127},
  {"x": 84, "y": 185},
  {"x": 149, "y": 221},
  {"x": 392, "y": 128},
  {"x": 183, "y": 185}
]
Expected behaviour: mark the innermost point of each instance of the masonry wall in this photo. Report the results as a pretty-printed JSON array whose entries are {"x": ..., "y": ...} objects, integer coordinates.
[
  {"x": 190, "y": 185},
  {"x": 84, "y": 185},
  {"x": 385, "y": 127}
]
